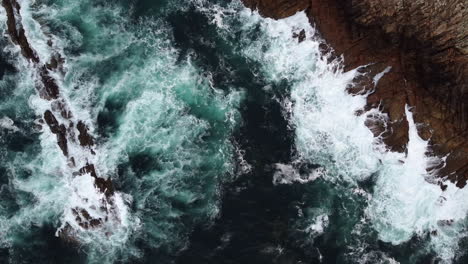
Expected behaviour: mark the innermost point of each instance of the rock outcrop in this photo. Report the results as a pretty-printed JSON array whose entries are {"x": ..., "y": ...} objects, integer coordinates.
[
  {"x": 59, "y": 118},
  {"x": 426, "y": 45}
]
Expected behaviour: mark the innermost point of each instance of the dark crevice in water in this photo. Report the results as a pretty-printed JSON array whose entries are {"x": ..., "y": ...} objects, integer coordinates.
[
  {"x": 5, "y": 66},
  {"x": 107, "y": 119},
  {"x": 255, "y": 214},
  {"x": 258, "y": 222},
  {"x": 39, "y": 246}
]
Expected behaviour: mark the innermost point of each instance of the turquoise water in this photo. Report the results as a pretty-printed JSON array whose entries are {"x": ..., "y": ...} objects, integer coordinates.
[
  {"x": 164, "y": 133},
  {"x": 227, "y": 140}
]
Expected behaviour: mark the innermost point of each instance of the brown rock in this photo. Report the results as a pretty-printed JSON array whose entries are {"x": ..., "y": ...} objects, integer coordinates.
[
  {"x": 58, "y": 129},
  {"x": 16, "y": 31},
  {"x": 301, "y": 36},
  {"x": 104, "y": 185},
  {"x": 425, "y": 43},
  {"x": 84, "y": 219},
  {"x": 49, "y": 90},
  {"x": 84, "y": 137}
]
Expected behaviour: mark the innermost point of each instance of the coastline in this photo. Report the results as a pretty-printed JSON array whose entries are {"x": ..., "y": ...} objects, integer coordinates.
[{"x": 425, "y": 72}]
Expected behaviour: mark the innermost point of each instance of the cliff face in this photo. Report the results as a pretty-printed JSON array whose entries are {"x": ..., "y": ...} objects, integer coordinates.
[
  {"x": 425, "y": 43},
  {"x": 433, "y": 35}
]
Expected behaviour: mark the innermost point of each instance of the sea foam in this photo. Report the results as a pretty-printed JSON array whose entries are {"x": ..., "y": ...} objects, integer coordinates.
[{"x": 402, "y": 203}]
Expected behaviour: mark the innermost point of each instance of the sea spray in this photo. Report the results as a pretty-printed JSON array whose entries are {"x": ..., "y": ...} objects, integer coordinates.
[
  {"x": 164, "y": 134},
  {"x": 92, "y": 202},
  {"x": 404, "y": 202}
]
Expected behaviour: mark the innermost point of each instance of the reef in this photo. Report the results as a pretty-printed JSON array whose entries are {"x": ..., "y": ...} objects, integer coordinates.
[
  {"x": 59, "y": 118},
  {"x": 421, "y": 46}
]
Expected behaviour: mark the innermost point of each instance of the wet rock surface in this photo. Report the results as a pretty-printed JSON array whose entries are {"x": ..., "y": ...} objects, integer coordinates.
[
  {"x": 425, "y": 44},
  {"x": 59, "y": 118},
  {"x": 57, "y": 129},
  {"x": 16, "y": 31}
]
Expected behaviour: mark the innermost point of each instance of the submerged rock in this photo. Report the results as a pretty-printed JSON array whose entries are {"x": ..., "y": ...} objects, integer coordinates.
[
  {"x": 57, "y": 129},
  {"x": 86, "y": 140},
  {"x": 58, "y": 118},
  {"x": 426, "y": 45},
  {"x": 16, "y": 31}
]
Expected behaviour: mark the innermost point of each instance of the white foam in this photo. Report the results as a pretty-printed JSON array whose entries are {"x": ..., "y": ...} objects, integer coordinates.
[
  {"x": 318, "y": 226},
  {"x": 7, "y": 123},
  {"x": 379, "y": 75},
  {"x": 287, "y": 174},
  {"x": 323, "y": 114},
  {"x": 329, "y": 133},
  {"x": 34, "y": 32},
  {"x": 58, "y": 192},
  {"x": 406, "y": 204},
  {"x": 376, "y": 257}
]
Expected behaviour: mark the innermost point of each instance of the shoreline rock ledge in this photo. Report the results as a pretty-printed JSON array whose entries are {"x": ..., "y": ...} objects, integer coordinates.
[
  {"x": 67, "y": 127},
  {"x": 426, "y": 45}
]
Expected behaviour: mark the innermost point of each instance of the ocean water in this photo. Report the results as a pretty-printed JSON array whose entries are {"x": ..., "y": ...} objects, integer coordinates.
[{"x": 227, "y": 139}]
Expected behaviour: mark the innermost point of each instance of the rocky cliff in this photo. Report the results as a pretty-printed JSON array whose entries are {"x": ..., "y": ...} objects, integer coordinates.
[{"x": 426, "y": 45}]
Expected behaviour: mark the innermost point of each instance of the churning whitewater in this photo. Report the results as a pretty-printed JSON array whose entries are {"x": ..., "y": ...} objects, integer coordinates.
[{"x": 163, "y": 90}]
